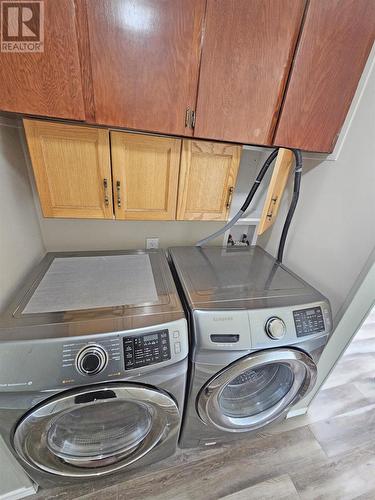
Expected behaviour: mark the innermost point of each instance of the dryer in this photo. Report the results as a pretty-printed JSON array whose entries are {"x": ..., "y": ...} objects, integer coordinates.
[
  {"x": 257, "y": 332},
  {"x": 93, "y": 364}
]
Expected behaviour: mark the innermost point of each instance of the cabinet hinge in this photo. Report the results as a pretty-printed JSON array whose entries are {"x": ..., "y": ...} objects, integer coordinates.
[
  {"x": 190, "y": 118},
  {"x": 193, "y": 114}
]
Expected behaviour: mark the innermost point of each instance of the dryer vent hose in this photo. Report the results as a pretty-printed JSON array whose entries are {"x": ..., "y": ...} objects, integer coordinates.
[{"x": 250, "y": 196}]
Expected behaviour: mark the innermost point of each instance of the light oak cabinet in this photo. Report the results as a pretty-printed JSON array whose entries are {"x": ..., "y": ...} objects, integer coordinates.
[
  {"x": 72, "y": 169},
  {"x": 86, "y": 172},
  {"x": 207, "y": 179},
  {"x": 145, "y": 176}
]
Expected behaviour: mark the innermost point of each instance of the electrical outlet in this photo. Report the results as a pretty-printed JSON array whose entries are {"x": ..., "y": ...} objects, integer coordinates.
[{"x": 152, "y": 243}]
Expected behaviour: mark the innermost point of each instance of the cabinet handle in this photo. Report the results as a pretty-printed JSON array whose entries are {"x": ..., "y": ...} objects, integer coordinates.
[
  {"x": 271, "y": 208},
  {"x": 118, "y": 187},
  {"x": 106, "y": 199},
  {"x": 229, "y": 199}
]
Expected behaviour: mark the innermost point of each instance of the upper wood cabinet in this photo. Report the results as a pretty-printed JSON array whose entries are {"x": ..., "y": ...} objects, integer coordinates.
[
  {"x": 72, "y": 169},
  {"x": 145, "y": 176},
  {"x": 144, "y": 60},
  {"x": 335, "y": 43},
  {"x": 267, "y": 72},
  {"x": 207, "y": 179},
  {"x": 247, "y": 52},
  {"x": 46, "y": 83}
]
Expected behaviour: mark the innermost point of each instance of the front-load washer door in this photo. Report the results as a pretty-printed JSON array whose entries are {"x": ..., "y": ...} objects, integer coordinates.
[
  {"x": 256, "y": 390},
  {"x": 96, "y": 430}
]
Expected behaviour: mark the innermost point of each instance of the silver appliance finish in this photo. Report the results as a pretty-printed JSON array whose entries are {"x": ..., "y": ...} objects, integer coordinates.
[
  {"x": 68, "y": 406},
  {"x": 257, "y": 332}
]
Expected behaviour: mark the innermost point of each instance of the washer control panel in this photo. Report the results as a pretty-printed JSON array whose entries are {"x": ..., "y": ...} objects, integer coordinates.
[
  {"x": 143, "y": 350},
  {"x": 308, "y": 321}
]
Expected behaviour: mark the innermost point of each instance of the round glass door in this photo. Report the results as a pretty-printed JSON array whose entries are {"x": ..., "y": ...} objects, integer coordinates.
[
  {"x": 84, "y": 436},
  {"x": 97, "y": 430},
  {"x": 256, "y": 390}
]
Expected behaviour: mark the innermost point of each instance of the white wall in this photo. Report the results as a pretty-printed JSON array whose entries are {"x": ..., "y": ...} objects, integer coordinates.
[
  {"x": 20, "y": 237},
  {"x": 333, "y": 231},
  {"x": 357, "y": 307}
]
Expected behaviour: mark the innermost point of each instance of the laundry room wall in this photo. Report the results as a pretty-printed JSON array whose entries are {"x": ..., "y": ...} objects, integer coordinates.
[
  {"x": 333, "y": 230},
  {"x": 21, "y": 243}
]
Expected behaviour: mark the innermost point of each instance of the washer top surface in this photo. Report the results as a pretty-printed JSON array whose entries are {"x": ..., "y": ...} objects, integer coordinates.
[
  {"x": 91, "y": 282},
  {"x": 79, "y": 293},
  {"x": 216, "y": 278}
]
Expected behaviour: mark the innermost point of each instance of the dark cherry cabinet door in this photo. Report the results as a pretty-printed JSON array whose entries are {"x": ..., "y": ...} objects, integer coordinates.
[
  {"x": 46, "y": 83},
  {"x": 247, "y": 51},
  {"x": 335, "y": 43},
  {"x": 144, "y": 61}
]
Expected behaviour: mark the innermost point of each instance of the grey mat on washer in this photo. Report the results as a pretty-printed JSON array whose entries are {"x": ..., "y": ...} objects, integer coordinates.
[{"x": 74, "y": 283}]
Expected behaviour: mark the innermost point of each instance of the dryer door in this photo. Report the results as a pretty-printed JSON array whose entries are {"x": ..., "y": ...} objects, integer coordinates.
[
  {"x": 256, "y": 390},
  {"x": 96, "y": 430}
]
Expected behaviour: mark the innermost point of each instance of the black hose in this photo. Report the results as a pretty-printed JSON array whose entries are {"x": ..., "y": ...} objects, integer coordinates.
[
  {"x": 258, "y": 179},
  {"x": 293, "y": 204},
  {"x": 246, "y": 203},
  {"x": 253, "y": 190}
]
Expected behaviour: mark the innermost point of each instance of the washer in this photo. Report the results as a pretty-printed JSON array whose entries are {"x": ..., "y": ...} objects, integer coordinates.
[
  {"x": 88, "y": 389},
  {"x": 257, "y": 332}
]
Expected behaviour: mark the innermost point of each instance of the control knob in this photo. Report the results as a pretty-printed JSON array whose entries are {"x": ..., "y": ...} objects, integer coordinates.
[
  {"x": 275, "y": 328},
  {"x": 91, "y": 360}
]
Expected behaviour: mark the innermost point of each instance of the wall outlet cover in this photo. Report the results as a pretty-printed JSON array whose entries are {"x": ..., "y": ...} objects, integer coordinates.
[{"x": 152, "y": 243}]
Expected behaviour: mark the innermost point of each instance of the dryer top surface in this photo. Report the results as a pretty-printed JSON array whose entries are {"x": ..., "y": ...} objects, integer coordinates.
[{"x": 239, "y": 278}]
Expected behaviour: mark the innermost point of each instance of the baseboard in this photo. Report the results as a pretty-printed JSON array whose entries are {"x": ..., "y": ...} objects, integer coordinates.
[{"x": 297, "y": 412}]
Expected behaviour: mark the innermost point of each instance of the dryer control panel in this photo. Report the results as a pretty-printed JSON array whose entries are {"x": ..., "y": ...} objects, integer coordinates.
[{"x": 308, "y": 321}]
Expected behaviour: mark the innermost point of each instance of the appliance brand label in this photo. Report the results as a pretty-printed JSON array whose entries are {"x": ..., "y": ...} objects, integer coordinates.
[{"x": 16, "y": 384}]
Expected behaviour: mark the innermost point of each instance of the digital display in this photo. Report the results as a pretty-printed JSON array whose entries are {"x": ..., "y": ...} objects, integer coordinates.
[
  {"x": 310, "y": 312},
  {"x": 149, "y": 338}
]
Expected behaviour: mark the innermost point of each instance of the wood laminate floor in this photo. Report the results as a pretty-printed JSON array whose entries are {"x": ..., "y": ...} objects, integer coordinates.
[{"x": 327, "y": 454}]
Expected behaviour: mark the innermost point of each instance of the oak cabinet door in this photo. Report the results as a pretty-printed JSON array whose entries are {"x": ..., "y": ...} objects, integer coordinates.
[
  {"x": 207, "y": 179},
  {"x": 72, "y": 169},
  {"x": 46, "y": 83},
  {"x": 145, "y": 176},
  {"x": 335, "y": 43},
  {"x": 247, "y": 52},
  {"x": 144, "y": 59}
]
